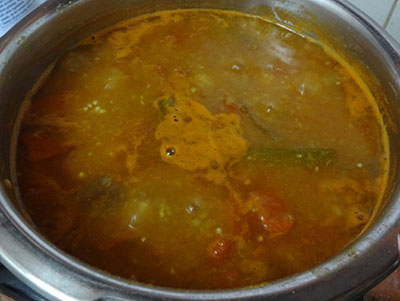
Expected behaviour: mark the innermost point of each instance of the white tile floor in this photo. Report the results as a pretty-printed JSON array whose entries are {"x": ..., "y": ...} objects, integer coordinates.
[
  {"x": 384, "y": 12},
  {"x": 393, "y": 26},
  {"x": 377, "y": 9}
]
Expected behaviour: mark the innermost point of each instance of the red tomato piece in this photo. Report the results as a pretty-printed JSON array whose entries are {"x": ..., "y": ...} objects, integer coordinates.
[
  {"x": 179, "y": 36},
  {"x": 230, "y": 105},
  {"x": 41, "y": 145},
  {"x": 272, "y": 213},
  {"x": 220, "y": 249}
]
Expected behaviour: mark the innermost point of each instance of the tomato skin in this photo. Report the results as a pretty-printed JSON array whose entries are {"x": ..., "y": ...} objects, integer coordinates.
[
  {"x": 179, "y": 37},
  {"x": 220, "y": 249},
  {"x": 232, "y": 107},
  {"x": 40, "y": 145},
  {"x": 269, "y": 213}
]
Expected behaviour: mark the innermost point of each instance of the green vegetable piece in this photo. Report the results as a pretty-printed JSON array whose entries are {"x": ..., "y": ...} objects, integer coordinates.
[
  {"x": 163, "y": 105},
  {"x": 304, "y": 156}
]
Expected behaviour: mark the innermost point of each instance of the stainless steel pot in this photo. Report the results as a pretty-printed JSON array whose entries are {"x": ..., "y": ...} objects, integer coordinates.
[{"x": 57, "y": 25}]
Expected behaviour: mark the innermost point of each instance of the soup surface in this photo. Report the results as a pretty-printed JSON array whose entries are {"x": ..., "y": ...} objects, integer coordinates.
[{"x": 201, "y": 149}]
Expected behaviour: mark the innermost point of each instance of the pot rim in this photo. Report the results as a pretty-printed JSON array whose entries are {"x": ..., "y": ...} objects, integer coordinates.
[{"x": 382, "y": 227}]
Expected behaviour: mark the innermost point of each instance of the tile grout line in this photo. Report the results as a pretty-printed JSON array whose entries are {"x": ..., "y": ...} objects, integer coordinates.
[{"x": 389, "y": 16}]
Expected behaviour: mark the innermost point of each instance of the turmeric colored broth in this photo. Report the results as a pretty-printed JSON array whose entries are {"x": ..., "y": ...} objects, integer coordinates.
[{"x": 201, "y": 149}]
